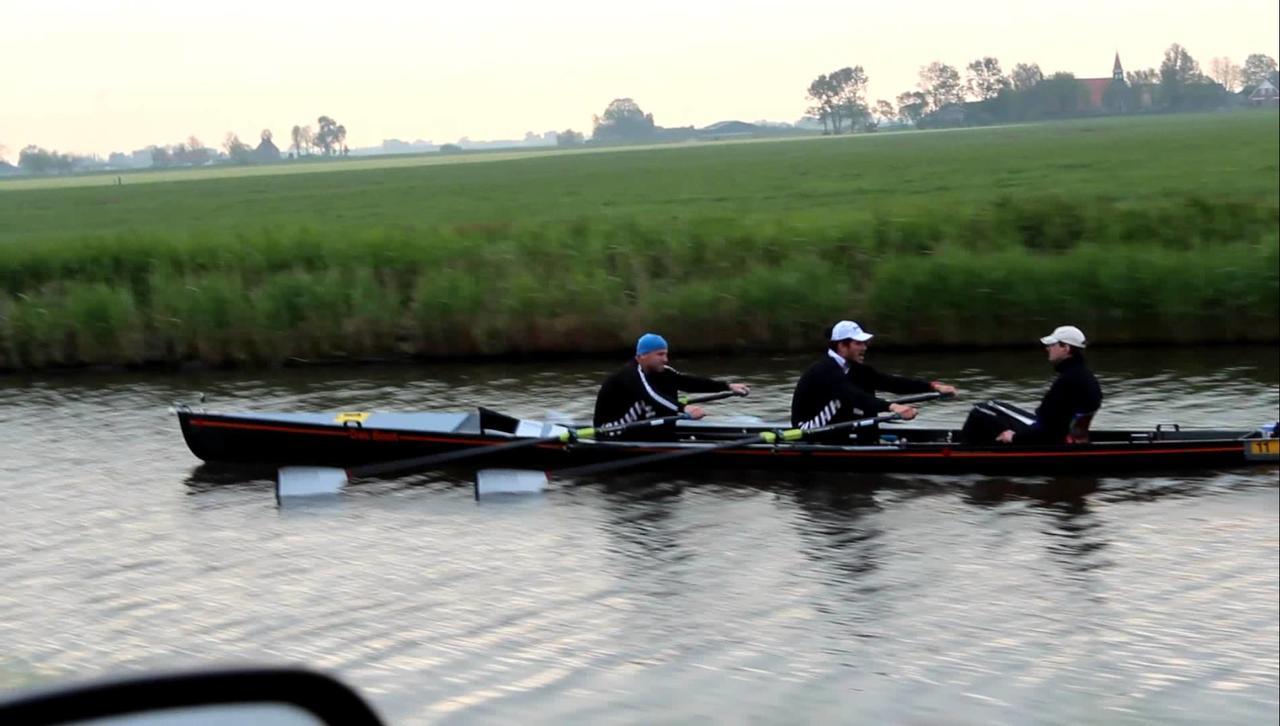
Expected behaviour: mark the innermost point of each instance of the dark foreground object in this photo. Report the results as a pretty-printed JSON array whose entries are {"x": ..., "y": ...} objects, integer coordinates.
[{"x": 232, "y": 696}]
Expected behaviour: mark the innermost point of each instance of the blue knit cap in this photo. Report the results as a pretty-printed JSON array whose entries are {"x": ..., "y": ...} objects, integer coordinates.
[{"x": 650, "y": 342}]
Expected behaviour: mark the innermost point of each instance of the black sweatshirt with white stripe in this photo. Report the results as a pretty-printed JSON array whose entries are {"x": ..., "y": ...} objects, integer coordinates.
[
  {"x": 825, "y": 395},
  {"x": 834, "y": 391},
  {"x": 631, "y": 395}
]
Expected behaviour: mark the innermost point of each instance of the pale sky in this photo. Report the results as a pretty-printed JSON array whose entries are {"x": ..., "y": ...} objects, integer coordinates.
[{"x": 95, "y": 76}]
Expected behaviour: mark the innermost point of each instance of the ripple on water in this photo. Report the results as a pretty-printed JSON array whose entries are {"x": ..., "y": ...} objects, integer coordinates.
[{"x": 696, "y": 596}]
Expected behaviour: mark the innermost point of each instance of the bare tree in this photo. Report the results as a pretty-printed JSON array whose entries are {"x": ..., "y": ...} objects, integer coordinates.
[
  {"x": 298, "y": 139},
  {"x": 1179, "y": 68},
  {"x": 1025, "y": 76},
  {"x": 912, "y": 106},
  {"x": 986, "y": 80},
  {"x": 1258, "y": 67},
  {"x": 885, "y": 111},
  {"x": 240, "y": 152},
  {"x": 823, "y": 93},
  {"x": 1223, "y": 71},
  {"x": 1143, "y": 77},
  {"x": 851, "y": 95},
  {"x": 941, "y": 84}
]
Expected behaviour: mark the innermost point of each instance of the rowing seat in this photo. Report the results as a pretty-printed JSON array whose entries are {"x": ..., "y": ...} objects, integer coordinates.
[{"x": 1078, "y": 433}]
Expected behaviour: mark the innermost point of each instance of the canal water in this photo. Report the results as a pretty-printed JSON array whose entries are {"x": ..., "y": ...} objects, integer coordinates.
[{"x": 685, "y": 597}]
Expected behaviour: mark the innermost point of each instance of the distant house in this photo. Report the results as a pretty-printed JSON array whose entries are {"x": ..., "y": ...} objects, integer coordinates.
[
  {"x": 7, "y": 169},
  {"x": 142, "y": 158},
  {"x": 266, "y": 153},
  {"x": 1098, "y": 98},
  {"x": 725, "y": 129},
  {"x": 951, "y": 115},
  {"x": 1264, "y": 94}
]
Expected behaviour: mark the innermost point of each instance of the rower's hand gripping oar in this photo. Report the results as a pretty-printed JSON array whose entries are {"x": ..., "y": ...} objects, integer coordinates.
[{"x": 302, "y": 481}]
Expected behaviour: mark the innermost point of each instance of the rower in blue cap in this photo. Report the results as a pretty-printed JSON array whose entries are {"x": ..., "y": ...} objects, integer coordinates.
[{"x": 647, "y": 387}]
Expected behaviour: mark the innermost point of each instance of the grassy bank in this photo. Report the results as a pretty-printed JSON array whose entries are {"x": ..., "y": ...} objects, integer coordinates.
[{"x": 1152, "y": 230}]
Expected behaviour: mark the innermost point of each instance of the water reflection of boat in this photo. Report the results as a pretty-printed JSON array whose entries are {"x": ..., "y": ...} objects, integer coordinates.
[{"x": 346, "y": 439}]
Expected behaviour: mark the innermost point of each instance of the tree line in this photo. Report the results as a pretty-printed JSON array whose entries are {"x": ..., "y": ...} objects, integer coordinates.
[
  {"x": 985, "y": 93},
  {"x": 328, "y": 140}
]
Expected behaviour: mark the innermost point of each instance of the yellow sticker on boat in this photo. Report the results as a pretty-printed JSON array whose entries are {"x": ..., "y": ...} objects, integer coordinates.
[
  {"x": 1262, "y": 449},
  {"x": 350, "y": 417}
]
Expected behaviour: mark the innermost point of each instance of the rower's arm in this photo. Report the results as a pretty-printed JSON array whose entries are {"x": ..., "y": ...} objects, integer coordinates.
[
  {"x": 697, "y": 384},
  {"x": 857, "y": 398},
  {"x": 898, "y": 384},
  {"x": 1053, "y": 417}
]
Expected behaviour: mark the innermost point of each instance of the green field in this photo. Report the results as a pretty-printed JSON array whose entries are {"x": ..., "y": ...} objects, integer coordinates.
[{"x": 1153, "y": 229}]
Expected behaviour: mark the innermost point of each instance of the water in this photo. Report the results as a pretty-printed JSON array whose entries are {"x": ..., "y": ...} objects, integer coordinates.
[{"x": 674, "y": 598}]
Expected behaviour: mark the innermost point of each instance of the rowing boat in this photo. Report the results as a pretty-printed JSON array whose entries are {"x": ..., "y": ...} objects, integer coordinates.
[{"x": 349, "y": 438}]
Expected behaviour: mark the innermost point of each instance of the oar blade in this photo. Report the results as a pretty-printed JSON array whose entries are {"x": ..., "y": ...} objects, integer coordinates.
[
  {"x": 490, "y": 482},
  {"x": 309, "y": 481}
]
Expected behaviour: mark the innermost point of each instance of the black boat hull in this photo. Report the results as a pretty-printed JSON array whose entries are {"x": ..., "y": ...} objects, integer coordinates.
[{"x": 330, "y": 440}]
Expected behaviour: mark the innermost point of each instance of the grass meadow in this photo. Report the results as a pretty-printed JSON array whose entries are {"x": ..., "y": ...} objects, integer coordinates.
[{"x": 1157, "y": 229}]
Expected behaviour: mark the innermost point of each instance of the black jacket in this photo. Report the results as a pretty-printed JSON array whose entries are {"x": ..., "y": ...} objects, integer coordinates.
[
  {"x": 630, "y": 395},
  {"x": 826, "y": 395},
  {"x": 1075, "y": 391},
  {"x": 871, "y": 380}
]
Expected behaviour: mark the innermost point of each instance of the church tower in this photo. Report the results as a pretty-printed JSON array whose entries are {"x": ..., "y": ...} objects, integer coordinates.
[{"x": 1117, "y": 72}]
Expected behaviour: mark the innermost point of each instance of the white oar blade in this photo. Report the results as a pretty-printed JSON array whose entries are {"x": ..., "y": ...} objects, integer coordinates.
[
  {"x": 309, "y": 481},
  {"x": 509, "y": 481}
]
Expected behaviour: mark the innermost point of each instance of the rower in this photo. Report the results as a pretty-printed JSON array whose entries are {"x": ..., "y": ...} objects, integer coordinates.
[
  {"x": 871, "y": 380},
  {"x": 841, "y": 386},
  {"x": 646, "y": 387},
  {"x": 1064, "y": 413}
]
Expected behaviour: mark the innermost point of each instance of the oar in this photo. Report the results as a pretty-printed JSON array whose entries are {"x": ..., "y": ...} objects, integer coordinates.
[
  {"x": 304, "y": 481},
  {"x": 686, "y": 401},
  {"x": 922, "y": 397},
  {"x": 713, "y": 397},
  {"x": 513, "y": 481}
]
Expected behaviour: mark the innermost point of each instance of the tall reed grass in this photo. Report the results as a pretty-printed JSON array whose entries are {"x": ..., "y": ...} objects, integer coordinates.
[{"x": 1191, "y": 270}]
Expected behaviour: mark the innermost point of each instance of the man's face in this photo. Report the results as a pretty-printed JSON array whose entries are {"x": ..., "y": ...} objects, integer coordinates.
[
  {"x": 654, "y": 361},
  {"x": 853, "y": 350},
  {"x": 1058, "y": 351}
]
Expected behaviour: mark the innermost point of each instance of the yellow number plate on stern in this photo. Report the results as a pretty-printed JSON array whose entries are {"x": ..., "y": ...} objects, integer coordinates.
[
  {"x": 351, "y": 417},
  {"x": 1262, "y": 449}
]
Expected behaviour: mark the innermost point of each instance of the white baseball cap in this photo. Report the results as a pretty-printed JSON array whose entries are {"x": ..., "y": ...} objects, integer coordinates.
[
  {"x": 1069, "y": 334},
  {"x": 847, "y": 329}
]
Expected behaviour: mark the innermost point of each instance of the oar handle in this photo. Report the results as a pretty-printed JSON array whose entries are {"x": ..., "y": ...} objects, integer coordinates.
[
  {"x": 713, "y": 397},
  {"x": 590, "y": 433},
  {"x": 922, "y": 397},
  {"x": 797, "y": 434}
]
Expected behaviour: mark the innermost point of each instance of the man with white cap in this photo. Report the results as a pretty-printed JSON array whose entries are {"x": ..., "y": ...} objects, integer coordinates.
[
  {"x": 1064, "y": 412},
  {"x": 647, "y": 387},
  {"x": 842, "y": 387}
]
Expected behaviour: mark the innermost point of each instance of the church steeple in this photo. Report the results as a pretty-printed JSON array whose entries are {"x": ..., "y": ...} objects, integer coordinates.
[{"x": 1117, "y": 72}]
